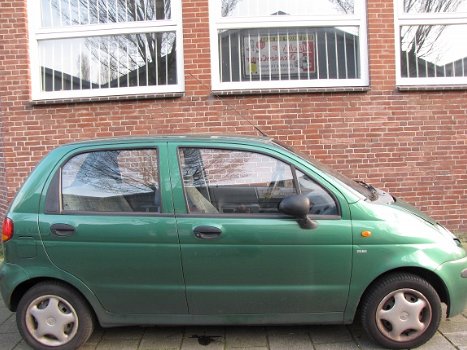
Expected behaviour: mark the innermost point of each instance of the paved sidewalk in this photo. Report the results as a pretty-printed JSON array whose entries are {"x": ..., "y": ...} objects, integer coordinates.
[{"x": 451, "y": 335}]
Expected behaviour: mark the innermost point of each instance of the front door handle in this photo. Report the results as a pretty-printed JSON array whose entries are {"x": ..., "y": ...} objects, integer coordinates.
[
  {"x": 62, "y": 229},
  {"x": 207, "y": 232}
]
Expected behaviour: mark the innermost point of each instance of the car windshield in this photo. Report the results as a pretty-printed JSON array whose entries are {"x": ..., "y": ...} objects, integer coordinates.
[{"x": 361, "y": 187}]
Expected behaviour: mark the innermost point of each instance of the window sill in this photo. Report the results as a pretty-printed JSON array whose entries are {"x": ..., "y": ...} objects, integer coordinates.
[
  {"x": 291, "y": 90},
  {"x": 106, "y": 98},
  {"x": 440, "y": 87}
]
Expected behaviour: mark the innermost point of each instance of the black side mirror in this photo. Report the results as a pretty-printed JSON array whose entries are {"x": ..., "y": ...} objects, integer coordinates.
[{"x": 298, "y": 206}]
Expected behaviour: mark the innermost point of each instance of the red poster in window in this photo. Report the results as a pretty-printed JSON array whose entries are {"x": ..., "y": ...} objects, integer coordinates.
[{"x": 279, "y": 54}]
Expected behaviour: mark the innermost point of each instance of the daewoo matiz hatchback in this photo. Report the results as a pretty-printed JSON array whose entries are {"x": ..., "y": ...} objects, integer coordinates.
[{"x": 183, "y": 230}]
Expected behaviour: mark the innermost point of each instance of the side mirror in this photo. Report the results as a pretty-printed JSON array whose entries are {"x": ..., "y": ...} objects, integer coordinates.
[{"x": 298, "y": 206}]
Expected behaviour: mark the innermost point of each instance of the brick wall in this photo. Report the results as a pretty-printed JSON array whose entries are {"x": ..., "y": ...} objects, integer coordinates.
[{"x": 413, "y": 144}]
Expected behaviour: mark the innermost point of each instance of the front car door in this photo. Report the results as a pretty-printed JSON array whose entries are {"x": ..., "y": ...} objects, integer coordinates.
[
  {"x": 108, "y": 220},
  {"x": 239, "y": 254}
]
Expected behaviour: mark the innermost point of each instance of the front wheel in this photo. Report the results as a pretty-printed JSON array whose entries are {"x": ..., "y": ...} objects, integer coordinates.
[
  {"x": 401, "y": 311},
  {"x": 53, "y": 316}
]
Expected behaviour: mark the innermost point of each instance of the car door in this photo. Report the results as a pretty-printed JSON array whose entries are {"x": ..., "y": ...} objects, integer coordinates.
[
  {"x": 108, "y": 220},
  {"x": 239, "y": 254}
]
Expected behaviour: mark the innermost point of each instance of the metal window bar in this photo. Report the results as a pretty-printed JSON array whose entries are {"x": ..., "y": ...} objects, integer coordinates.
[
  {"x": 126, "y": 10},
  {"x": 308, "y": 52},
  {"x": 279, "y": 66},
  {"x": 117, "y": 63},
  {"x": 156, "y": 58},
  {"x": 269, "y": 55},
  {"x": 108, "y": 61},
  {"x": 147, "y": 53},
  {"x": 99, "y": 70},
  {"x": 326, "y": 54},
  {"x": 317, "y": 56},
  {"x": 337, "y": 55},
  {"x": 355, "y": 57},
  {"x": 288, "y": 55},
  {"x": 127, "y": 64},
  {"x": 230, "y": 59},
  {"x": 249, "y": 55},
  {"x": 167, "y": 68},
  {"x": 89, "y": 13},
  {"x": 345, "y": 57},
  {"x": 60, "y": 15},
  {"x": 258, "y": 62},
  {"x": 70, "y": 17},
  {"x": 297, "y": 43},
  {"x": 239, "y": 58},
  {"x": 80, "y": 69},
  {"x": 79, "y": 12}
]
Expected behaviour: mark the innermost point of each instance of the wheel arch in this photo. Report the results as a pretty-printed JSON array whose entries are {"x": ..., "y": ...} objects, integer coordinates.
[
  {"x": 23, "y": 287},
  {"x": 432, "y": 278}
]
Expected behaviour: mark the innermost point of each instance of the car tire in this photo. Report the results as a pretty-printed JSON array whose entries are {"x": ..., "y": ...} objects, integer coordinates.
[
  {"x": 401, "y": 311},
  {"x": 52, "y": 315}
]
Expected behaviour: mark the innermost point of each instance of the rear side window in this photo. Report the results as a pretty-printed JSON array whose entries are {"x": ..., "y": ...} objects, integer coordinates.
[{"x": 111, "y": 181}]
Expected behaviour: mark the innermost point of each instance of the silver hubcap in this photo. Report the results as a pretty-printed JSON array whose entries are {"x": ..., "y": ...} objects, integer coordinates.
[
  {"x": 51, "y": 320},
  {"x": 403, "y": 315}
]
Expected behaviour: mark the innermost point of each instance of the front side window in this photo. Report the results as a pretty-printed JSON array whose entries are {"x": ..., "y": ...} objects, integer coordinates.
[
  {"x": 238, "y": 182},
  {"x": 431, "y": 41},
  {"x": 288, "y": 44},
  {"x": 83, "y": 48},
  {"x": 111, "y": 181}
]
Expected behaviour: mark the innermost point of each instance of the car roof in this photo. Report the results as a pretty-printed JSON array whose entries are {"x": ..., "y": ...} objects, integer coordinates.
[{"x": 208, "y": 138}]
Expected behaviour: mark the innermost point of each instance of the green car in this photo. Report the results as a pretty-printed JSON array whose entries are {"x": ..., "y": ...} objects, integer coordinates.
[{"x": 185, "y": 230}]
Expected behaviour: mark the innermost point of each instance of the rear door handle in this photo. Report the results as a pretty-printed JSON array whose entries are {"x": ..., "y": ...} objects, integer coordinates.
[
  {"x": 62, "y": 229},
  {"x": 207, "y": 232}
]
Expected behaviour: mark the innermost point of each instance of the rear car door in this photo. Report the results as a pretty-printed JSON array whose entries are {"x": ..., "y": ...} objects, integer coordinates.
[
  {"x": 239, "y": 254},
  {"x": 108, "y": 220}
]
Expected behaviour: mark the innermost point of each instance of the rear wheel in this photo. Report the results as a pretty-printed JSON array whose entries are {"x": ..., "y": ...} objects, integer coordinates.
[
  {"x": 53, "y": 316},
  {"x": 401, "y": 311}
]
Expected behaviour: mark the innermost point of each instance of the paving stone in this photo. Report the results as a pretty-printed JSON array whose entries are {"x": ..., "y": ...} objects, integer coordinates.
[
  {"x": 290, "y": 340},
  {"x": 22, "y": 346},
  {"x": 337, "y": 346},
  {"x": 9, "y": 341},
  {"x": 161, "y": 338},
  {"x": 118, "y": 344},
  {"x": 4, "y": 313},
  {"x": 330, "y": 334},
  {"x": 454, "y": 324},
  {"x": 436, "y": 343},
  {"x": 458, "y": 338},
  {"x": 9, "y": 326},
  {"x": 246, "y": 337}
]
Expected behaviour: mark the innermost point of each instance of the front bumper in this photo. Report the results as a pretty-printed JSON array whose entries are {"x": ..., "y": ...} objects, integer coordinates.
[{"x": 454, "y": 275}]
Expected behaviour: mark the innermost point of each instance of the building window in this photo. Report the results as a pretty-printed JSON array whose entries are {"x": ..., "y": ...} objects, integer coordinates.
[
  {"x": 86, "y": 48},
  {"x": 288, "y": 44},
  {"x": 430, "y": 42}
]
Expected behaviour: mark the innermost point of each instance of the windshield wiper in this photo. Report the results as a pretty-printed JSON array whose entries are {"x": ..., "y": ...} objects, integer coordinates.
[{"x": 373, "y": 191}]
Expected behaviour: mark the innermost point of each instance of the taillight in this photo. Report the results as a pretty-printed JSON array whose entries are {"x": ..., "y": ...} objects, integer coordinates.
[{"x": 7, "y": 229}]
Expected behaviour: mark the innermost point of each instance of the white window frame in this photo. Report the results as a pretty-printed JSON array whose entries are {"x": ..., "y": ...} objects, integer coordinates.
[
  {"x": 37, "y": 34},
  {"x": 402, "y": 19},
  {"x": 217, "y": 22}
]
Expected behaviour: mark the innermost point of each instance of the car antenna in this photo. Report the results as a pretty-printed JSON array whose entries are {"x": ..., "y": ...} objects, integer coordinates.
[{"x": 256, "y": 127}]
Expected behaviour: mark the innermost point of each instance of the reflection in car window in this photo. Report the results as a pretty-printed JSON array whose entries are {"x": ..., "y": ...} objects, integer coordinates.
[
  {"x": 321, "y": 200},
  {"x": 112, "y": 181},
  {"x": 234, "y": 182}
]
